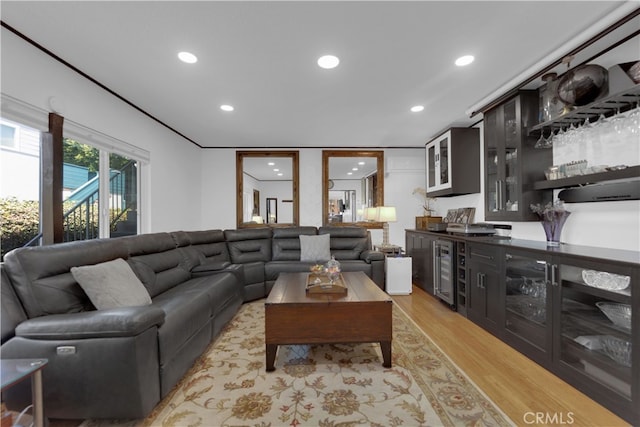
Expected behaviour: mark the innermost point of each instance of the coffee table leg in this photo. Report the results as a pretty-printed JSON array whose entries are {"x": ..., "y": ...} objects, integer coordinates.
[
  {"x": 385, "y": 346},
  {"x": 271, "y": 357}
]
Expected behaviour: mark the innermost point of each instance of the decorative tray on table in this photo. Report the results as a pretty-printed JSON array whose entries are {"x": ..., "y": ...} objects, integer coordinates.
[{"x": 319, "y": 283}]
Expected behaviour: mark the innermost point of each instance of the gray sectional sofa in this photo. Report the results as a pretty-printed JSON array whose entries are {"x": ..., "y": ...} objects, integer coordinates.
[{"x": 120, "y": 362}]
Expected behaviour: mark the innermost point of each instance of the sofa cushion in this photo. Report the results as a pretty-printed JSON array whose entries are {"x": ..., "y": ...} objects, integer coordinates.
[
  {"x": 249, "y": 245},
  {"x": 161, "y": 268},
  {"x": 315, "y": 248},
  {"x": 111, "y": 284},
  {"x": 285, "y": 242},
  {"x": 41, "y": 276},
  {"x": 202, "y": 247},
  {"x": 347, "y": 242}
]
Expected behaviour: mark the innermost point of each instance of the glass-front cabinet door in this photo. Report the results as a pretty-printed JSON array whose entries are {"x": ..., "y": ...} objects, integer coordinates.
[
  {"x": 510, "y": 193},
  {"x": 595, "y": 334},
  {"x": 528, "y": 304},
  {"x": 511, "y": 162},
  {"x": 439, "y": 163},
  {"x": 492, "y": 154}
]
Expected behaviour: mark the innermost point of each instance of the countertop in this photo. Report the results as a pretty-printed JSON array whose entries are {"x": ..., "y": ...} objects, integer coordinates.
[{"x": 588, "y": 252}]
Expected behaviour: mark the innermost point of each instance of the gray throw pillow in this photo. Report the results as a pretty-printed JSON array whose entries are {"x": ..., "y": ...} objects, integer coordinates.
[
  {"x": 111, "y": 284},
  {"x": 315, "y": 248}
]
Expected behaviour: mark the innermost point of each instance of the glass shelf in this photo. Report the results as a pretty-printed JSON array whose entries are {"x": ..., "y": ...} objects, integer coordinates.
[
  {"x": 630, "y": 172},
  {"x": 621, "y": 296}
]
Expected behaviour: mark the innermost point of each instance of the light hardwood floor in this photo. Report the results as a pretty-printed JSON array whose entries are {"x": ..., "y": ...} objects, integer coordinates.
[{"x": 515, "y": 383}]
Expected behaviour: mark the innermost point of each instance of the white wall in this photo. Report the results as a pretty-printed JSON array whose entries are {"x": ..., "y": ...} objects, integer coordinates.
[{"x": 172, "y": 198}]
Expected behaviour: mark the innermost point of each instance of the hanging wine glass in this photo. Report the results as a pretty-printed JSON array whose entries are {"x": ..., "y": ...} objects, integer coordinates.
[
  {"x": 584, "y": 131},
  {"x": 634, "y": 120},
  {"x": 601, "y": 122},
  {"x": 571, "y": 134},
  {"x": 560, "y": 137},
  {"x": 542, "y": 141},
  {"x": 617, "y": 122},
  {"x": 551, "y": 139}
]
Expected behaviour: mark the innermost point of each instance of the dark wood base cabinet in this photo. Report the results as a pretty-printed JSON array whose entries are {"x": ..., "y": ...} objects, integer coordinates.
[
  {"x": 420, "y": 248},
  {"x": 567, "y": 309},
  {"x": 485, "y": 303}
]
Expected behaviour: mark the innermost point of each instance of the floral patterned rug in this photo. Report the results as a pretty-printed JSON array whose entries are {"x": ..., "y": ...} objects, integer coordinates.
[{"x": 323, "y": 385}]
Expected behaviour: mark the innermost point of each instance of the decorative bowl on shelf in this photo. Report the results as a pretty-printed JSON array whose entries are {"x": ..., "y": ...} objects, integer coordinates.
[
  {"x": 619, "y": 314},
  {"x": 604, "y": 280},
  {"x": 583, "y": 84},
  {"x": 617, "y": 349}
]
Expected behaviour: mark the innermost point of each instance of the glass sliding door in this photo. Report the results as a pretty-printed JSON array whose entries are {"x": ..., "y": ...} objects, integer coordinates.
[
  {"x": 100, "y": 193},
  {"x": 81, "y": 190},
  {"x": 123, "y": 196}
]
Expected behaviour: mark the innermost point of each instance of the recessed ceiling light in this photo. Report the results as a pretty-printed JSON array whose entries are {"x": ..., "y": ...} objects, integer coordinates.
[
  {"x": 349, "y": 173},
  {"x": 271, "y": 164},
  {"x": 280, "y": 174},
  {"x": 187, "y": 57},
  {"x": 417, "y": 108},
  {"x": 276, "y": 170},
  {"x": 354, "y": 169},
  {"x": 226, "y": 107},
  {"x": 464, "y": 60},
  {"x": 361, "y": 163},
  {"x": 328, "y": 61}
]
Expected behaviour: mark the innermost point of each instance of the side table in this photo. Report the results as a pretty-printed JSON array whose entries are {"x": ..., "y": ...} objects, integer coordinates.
[
  {"x": 13, "y": 371},
  {"x": 398, "y": 275},
  {"x": 388, "y": 250}
]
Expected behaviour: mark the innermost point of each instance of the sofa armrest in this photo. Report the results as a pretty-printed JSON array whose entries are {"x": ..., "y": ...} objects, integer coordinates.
[
  {"x": 115, "y": 322},
  {"x": 369, "y": 256}
]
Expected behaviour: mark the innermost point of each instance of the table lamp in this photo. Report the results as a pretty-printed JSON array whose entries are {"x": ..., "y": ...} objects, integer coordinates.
[
  {"x": 385, "y": 215},
  {"x": 370, "y": 214}
]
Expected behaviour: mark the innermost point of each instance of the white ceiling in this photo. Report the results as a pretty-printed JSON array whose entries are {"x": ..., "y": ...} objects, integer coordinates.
[{"x": 261, "y": 58}]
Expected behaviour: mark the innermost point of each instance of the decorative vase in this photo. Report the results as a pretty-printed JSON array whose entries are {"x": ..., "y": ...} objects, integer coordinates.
[
  {"x": 551, "y": 104},
  {"x": 332, "y": 269},
  {"x": 553, "y": 226}
]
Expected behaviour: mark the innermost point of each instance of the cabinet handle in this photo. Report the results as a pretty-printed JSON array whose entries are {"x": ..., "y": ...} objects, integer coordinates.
[
  {"x": 546, "y": 273},
  {"x": 508, "y": 257},
  {"x": 480, "y": 280},
  {"x": 498, "y": 195},
  {"x": 553, "y": 275},
  {"x": 479, "y": 255}
]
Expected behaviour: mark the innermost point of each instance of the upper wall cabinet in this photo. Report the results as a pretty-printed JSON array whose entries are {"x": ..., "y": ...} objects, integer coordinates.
[
  {"x": 512, "y": 164},
  {"x": 453, "y": 163}
]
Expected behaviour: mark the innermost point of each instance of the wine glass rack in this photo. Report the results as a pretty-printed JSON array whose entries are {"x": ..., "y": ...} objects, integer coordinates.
[{"x": 609, "y": 105}]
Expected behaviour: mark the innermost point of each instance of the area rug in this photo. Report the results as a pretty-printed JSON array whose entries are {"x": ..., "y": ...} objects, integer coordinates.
[{"x": 323, "y": 385}]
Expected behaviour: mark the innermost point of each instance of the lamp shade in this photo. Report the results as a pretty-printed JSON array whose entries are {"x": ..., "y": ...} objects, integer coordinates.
[
  {"x": 386, "y": 214},
  {"x": 370, "y": 214}
]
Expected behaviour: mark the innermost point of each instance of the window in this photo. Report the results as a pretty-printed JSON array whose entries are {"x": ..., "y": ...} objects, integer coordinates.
[
  {"x": 20, "y": 185},
  {"x": 93, "y": 178},
  {"x": 9, "y": 135},
  {"x": 102, "y": 180}
]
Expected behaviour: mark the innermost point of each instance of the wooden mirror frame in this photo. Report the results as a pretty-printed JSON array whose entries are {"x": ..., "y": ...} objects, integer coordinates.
[
  {"x": 326, "y": 155},
  {"x": 240, "y": 156}
]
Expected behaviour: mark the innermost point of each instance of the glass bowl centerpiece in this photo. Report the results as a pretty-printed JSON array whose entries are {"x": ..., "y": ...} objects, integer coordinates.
[{"x": 332, "y": 268}]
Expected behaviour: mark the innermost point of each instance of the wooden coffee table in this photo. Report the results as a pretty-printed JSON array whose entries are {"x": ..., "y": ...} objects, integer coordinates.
[{"x": 292, "y": 316}]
